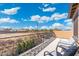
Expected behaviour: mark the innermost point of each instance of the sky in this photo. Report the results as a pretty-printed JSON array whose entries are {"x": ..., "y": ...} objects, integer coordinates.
[{"x": 35, "y": 16}]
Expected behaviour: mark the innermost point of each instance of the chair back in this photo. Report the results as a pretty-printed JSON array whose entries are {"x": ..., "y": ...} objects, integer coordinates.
[{"x": 66, "y": 49}]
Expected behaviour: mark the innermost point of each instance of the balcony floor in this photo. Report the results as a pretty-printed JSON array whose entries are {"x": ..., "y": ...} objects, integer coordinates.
[{"x": 50, "y": 47}]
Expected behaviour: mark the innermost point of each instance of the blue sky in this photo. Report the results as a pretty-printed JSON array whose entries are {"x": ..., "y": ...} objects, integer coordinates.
[{"x": 28, "y": 15}]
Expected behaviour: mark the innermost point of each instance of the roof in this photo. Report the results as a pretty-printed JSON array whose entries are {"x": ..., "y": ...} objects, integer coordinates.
[{"x": 73, "y": 9}]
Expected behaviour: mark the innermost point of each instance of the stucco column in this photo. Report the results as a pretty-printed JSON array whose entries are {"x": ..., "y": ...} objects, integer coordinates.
[
  {"x": 75, "y": 25},
  {"x": 75, "y": 29}
]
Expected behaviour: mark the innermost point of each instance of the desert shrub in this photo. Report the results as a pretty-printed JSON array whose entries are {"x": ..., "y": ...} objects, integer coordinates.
[
  {"x": 32, "y": 41},
  {"x": 19, "y": 49},
  {"x": 24, "y": 46}
]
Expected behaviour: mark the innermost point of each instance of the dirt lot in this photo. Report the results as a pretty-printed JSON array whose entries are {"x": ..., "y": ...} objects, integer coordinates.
[
  {"x": 12, "y": 34},
  {"x": 60, "y": 34},
  {"x": 63, "y": 34}
]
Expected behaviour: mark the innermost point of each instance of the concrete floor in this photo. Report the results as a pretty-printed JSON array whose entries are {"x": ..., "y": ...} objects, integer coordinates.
[{"x": 52, "y": 46}]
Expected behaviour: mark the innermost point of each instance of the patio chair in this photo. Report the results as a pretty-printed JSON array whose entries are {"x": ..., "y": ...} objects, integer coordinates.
[{"x": 63, "y": 48}]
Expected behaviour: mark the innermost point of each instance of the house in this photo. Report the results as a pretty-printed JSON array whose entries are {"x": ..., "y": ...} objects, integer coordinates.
[{"x": 73, "y": 14}]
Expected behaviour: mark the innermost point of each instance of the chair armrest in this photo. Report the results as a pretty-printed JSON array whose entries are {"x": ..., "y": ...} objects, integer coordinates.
[
  {"x": 65, "y": 43},
  {"x": 48, "y": 53}
]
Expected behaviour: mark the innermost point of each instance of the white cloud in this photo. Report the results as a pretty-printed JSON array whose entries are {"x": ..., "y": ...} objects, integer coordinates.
[
  {"x": 57, "y": 26},
  {"x": 45, "y": 4},
  {"x": 53, "y": 26},
  {"x": 46, "y": 8},
  {"x": 68, "y": 28},
  {"x": 58, "y": 16},
  {"x": 8, "y": 20},
  {"x": 44, "y": 27},
  {"x": 60, "y": 26},
  {"x": 69, "y": 24},
  {"x": 55, "y": 16},
  {"x": 4, "y": 27},
  {"x": 30, "y": 27},
  {"x": 45, "y": 18},
  {"x": 11, "y": 11},
  {"x": 68, "y": 20},
  {"x": 35, "y": 18},
  {"x": 40, "y": 19},
  {"x": 49, "y": 9}
]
